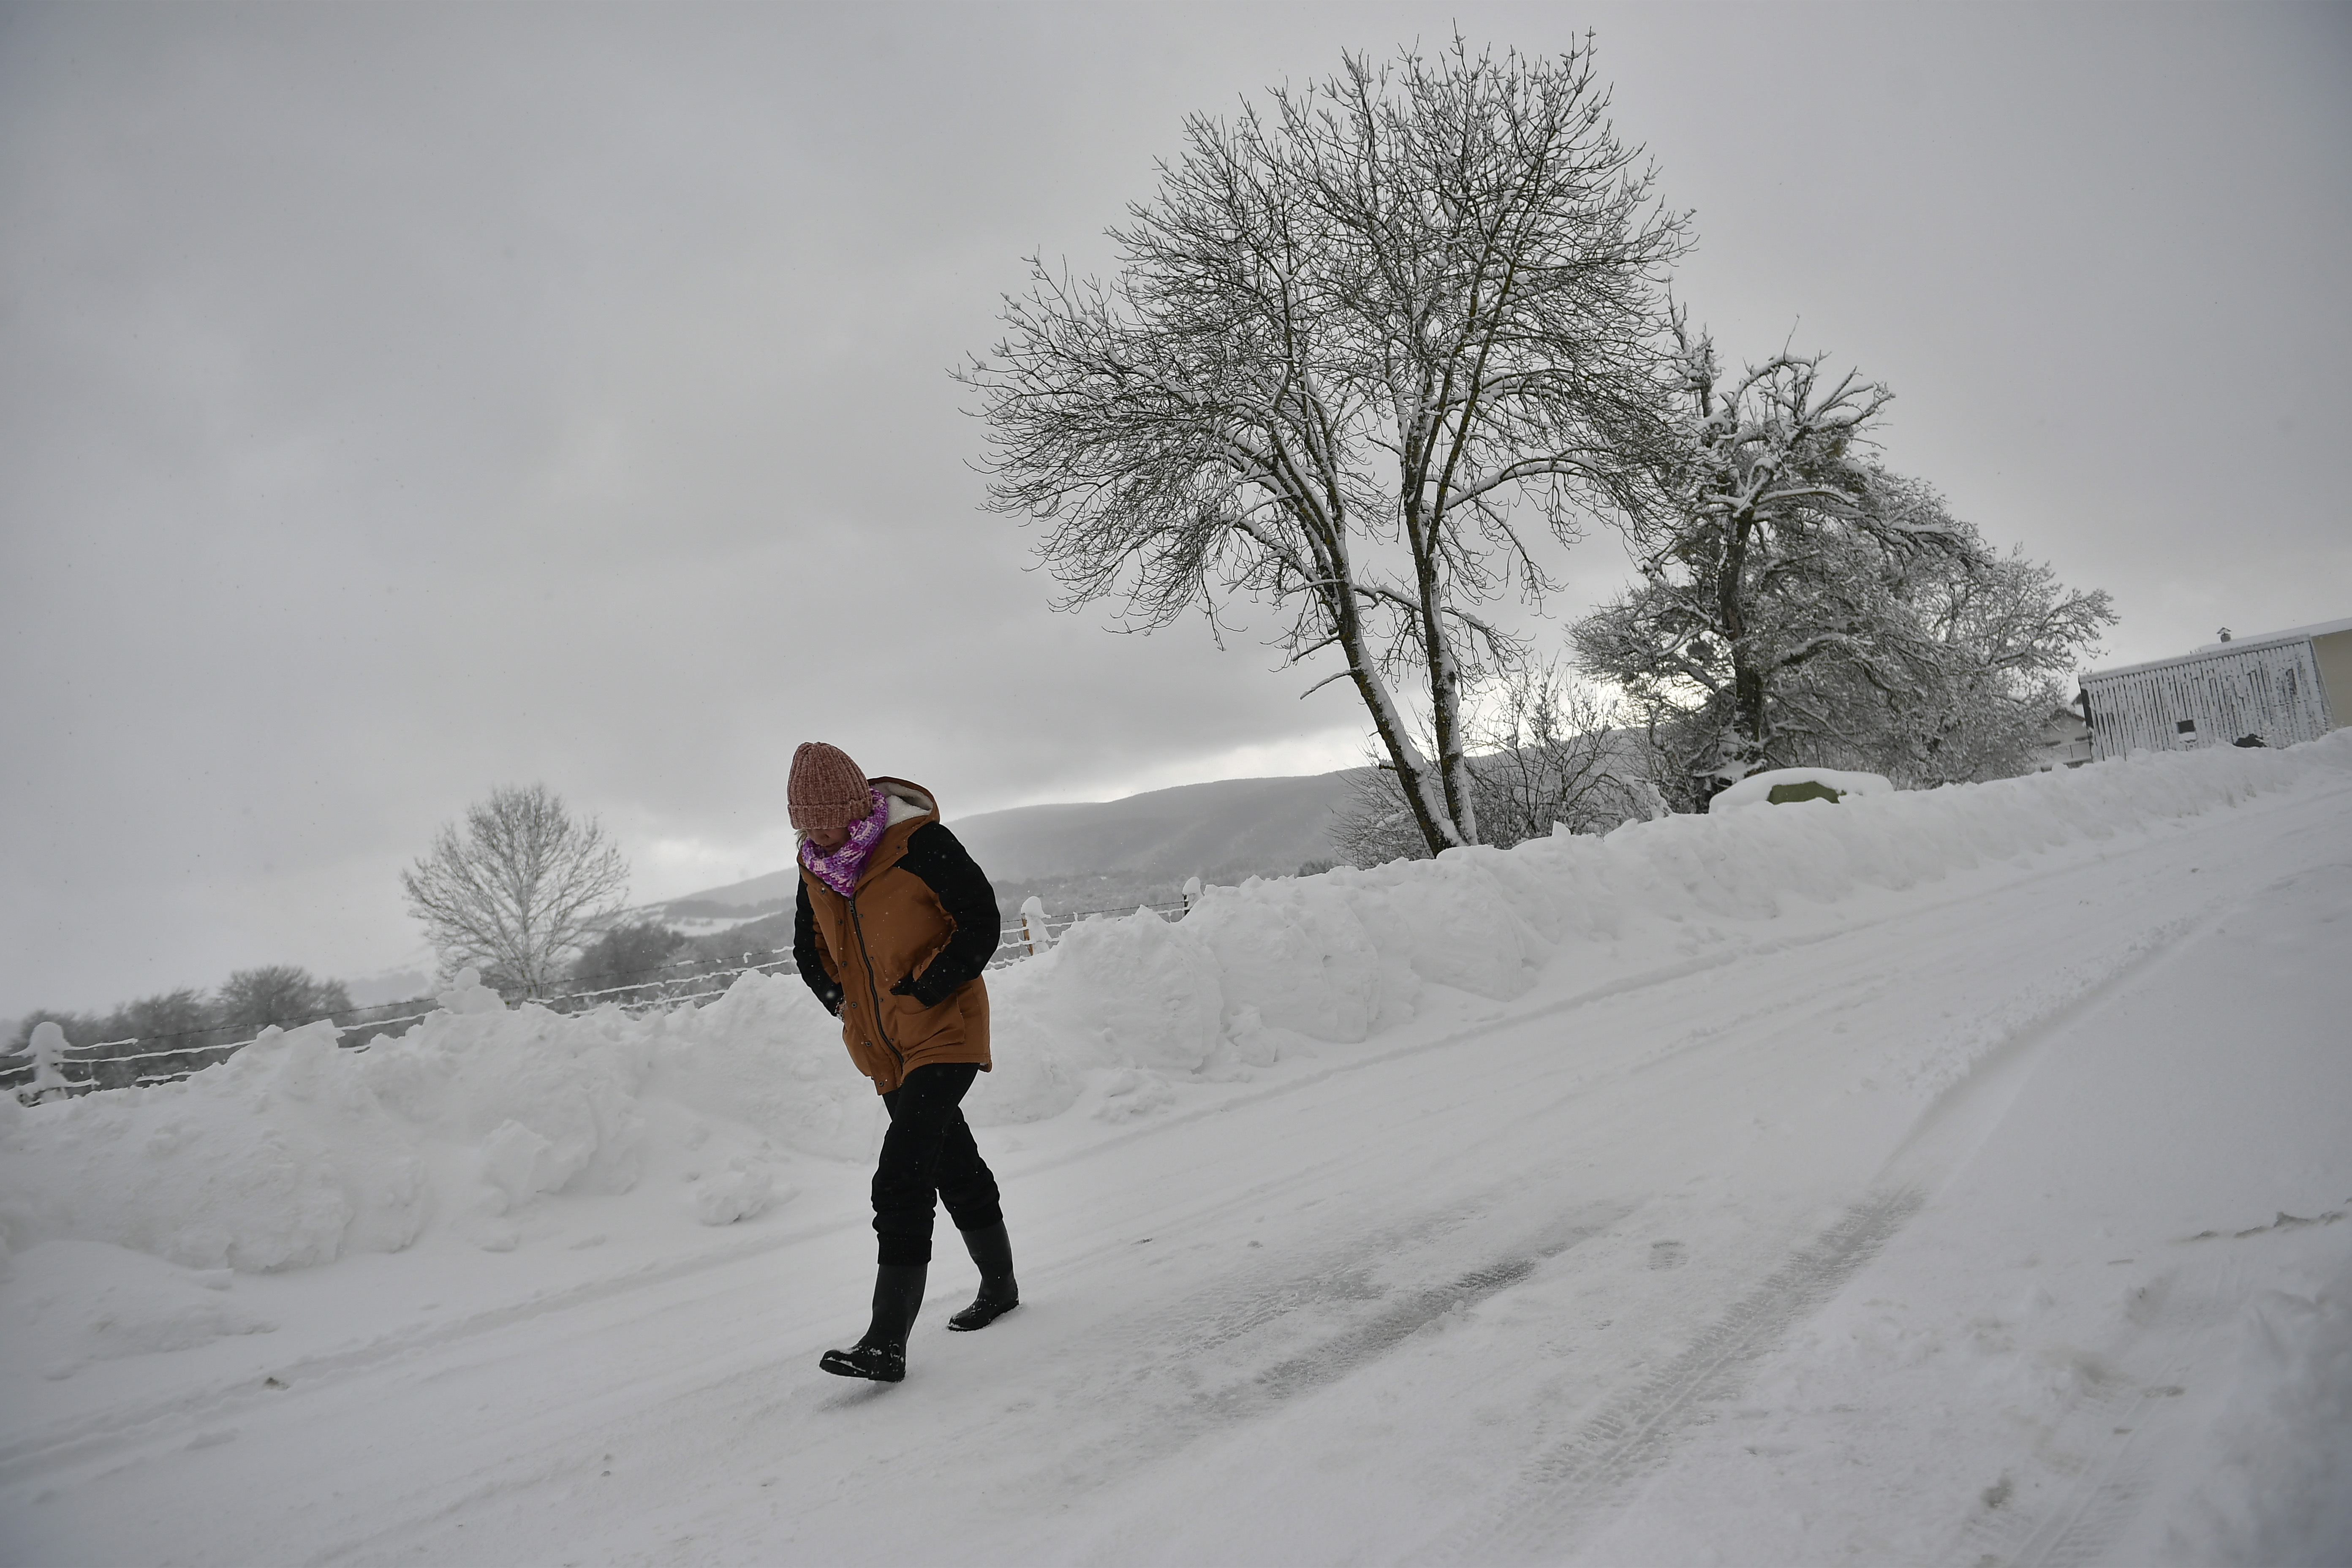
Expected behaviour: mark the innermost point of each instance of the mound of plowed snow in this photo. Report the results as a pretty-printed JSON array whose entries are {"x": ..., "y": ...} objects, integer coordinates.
[{"x": 297, "y": 1151}]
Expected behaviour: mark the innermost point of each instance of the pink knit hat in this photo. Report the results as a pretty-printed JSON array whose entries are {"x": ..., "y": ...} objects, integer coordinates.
[{"x": 828, "y": 790}]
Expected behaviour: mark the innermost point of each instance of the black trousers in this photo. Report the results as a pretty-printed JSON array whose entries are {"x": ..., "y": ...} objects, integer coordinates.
[{"x": 929, "y": 1149}]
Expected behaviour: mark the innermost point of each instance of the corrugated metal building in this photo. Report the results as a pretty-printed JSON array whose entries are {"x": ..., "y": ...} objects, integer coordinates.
[{"x": 2279, "y": 688}]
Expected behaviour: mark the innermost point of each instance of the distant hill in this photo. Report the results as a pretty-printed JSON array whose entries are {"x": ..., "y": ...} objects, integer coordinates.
[
  {"x": 1266, "y": 824},
  {"x": 1221, "y": 831},
  {"x": 773, "y": 887}
]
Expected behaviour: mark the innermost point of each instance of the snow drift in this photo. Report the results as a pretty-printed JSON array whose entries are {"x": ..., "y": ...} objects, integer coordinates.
[{"x": 297, "y": 1151}]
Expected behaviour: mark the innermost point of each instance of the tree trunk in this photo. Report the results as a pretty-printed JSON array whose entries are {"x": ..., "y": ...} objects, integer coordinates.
[
  {"x": 1749, "y": 721},
  {"x": 1412, "y": 768},
  {"x": 1455, "y": 822},
  {"x": 1363, "y": 668}
]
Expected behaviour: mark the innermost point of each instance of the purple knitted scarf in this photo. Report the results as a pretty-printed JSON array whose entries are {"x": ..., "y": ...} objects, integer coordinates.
[{"x": 839, "y": 869}]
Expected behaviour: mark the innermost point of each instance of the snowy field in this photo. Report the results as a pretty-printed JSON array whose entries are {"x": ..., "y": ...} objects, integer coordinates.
[{"x": 1954, "y": 1178}]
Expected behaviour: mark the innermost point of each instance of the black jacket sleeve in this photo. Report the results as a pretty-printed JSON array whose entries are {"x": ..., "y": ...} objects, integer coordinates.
[
  {"x": 940, "y": 859},
  {"x": 805, "y": 954}
]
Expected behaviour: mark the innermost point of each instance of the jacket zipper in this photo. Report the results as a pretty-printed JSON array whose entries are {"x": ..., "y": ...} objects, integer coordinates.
[{"x": 873, "y": 987}]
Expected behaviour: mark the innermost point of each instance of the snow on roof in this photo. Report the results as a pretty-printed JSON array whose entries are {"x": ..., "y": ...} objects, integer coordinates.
[
  {"x": 2235, "y": 645},
  {"x": 2319, "y": 629}
]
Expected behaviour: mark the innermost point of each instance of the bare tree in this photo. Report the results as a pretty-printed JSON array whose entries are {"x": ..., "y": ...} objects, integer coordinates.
[
  {"x": 1558, "y": 754},
  {"x": 627, "y": 954},
  {"x": 1350, "y": 336},
  {"x": 252, "y": 999},
  {"x": 1374, "y": 825},
  {"x": 182, "y": 1012},
  {"x": 524, "y": 885},
  {"x": 1549, "y": 750}
]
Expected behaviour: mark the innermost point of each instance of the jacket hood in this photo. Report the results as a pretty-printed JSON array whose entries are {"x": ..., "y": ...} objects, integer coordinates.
[{"x": 905, "y": 800}]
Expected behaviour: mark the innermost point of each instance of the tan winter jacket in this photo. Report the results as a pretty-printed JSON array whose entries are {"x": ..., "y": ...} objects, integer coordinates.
[{"x": 924, "y": 920}]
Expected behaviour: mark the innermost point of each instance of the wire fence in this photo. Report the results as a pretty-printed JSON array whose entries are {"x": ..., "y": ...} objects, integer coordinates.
[{"x": 119, "y": 1064}]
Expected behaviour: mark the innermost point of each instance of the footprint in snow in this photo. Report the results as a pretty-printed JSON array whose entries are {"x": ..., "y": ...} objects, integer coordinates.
[{"x": 1668, "y": 1255}]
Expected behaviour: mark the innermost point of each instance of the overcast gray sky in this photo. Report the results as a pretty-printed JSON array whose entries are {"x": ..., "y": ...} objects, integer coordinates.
[{"x": 399, "y": 401}]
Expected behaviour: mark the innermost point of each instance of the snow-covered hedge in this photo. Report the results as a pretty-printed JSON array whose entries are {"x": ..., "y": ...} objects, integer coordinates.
[{"x": 296, "y": 1152}]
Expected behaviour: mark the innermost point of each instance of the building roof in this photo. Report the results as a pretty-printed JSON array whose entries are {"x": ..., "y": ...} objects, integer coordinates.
[{"x": 2235, "y": 645}]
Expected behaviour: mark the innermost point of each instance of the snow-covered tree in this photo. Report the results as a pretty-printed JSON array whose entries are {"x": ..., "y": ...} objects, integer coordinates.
[
  {"x": 524, "y": 885},
  {"x": 1359, "y": 342},
  {"x": 1992, "y": 639},
  {"x": 1800, "y": 604},
  {"x": 1762, "y": 553}
]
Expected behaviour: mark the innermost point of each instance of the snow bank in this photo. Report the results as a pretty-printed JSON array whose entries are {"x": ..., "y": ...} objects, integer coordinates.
[
  {"x": 1136, "y": 991},
  {"x": 2279, "y": 1489},
  {"x": 296, "y": 1152},
  {"x": 83, "y": 1301}
]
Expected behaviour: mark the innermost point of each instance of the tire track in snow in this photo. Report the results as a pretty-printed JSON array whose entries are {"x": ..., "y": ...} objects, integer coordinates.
[
  {"x": 1968, "y": 1079},
  {"x": 1230, "y": 1352},
  {"x": 1638, "y": 1428},
  {"x": 75, "y": 1439},
  {"x": 1246, "y": 1300},
  {"x": 1635, "y": 1432},
  {"x": 1336, "y": 1355}
]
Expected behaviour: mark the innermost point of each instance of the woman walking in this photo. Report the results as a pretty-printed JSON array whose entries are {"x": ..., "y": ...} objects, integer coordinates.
[{"x": 892, "y": 928}]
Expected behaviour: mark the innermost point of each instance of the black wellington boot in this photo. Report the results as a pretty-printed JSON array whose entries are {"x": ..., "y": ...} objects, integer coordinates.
[
  {"x": 881, "y": 1355},
  {"x": 992, "y": 1250}
]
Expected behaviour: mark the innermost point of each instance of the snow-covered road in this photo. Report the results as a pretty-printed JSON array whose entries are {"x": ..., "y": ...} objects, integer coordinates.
[{"x": 1994, "y": 1219}]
